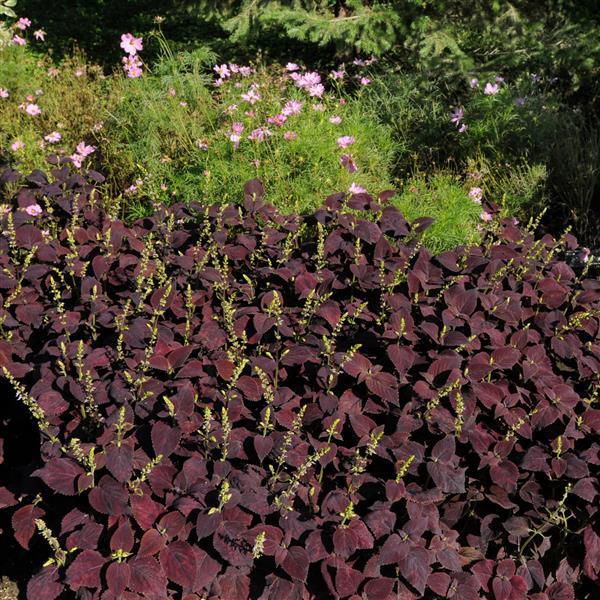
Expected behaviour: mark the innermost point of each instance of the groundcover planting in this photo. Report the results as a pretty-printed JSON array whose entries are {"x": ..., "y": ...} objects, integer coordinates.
[{"x": 226, "y": 402}]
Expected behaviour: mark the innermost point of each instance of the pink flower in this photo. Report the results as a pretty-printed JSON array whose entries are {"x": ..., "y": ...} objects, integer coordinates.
[
  {"x": 456, "y": 115},
  {"x": 251, "y": 96},
  {"x": 359, "y": 62},
  {"x": 584, "y": 255},
  {"x": 202, "y": 144},
  {"x": 290, "y": 135},
  {"x": 4, "y": 93},
  {"x": 290, "y": 67},
  {"x": 347, "y": 161},
  {"x": 34, "y": 210},
  {"x": 345, "y": 141},
  {"x": 476, "y": 194},
  {"x": 246, "y": 71},
  {"x": 78, "y": 72},
  {"x": 474, "y": 83},
  {"x": 132, "y": 66},
  {"x": 172, "y": 92},
  {"x": 39, "y": 35},
  {"x": 357, "y": 189},
  {"x": 17, "y": 145},
  {"x": 84, "y": 149},
  {"x": 291, "y": 107},
  {"x": 499, "y": 79},
  {"x": 278, "y": 120},
  {"x": 99, "y": 126},
  {"x": 183, "y": 103},
  {"x": 18, "y": 40},
  {"x": 53, "y": 72},
  {"x": 76, "y": 159},
  {"x": 463, "y": 128},
  {"x": 520, "y": 102},
  {"x": 316, "y": 91},
  {"x": 130, "y": 44},
  {"x": 486, "y": 216},
  {"x": 335, "y": 120},
  {"x": 320, "y": 107},
  {"x": 255, "y": 163},
  {"x": 53, "y": 137},
  {"x": 260, "y": 134},
  {"x": 32, "y": 109},
  {"x": 237, "y": 127},
  {"x": 339, "y": 74},
  {"x": 231, "y": 108},
  {"x": 23, "y": 23},
  {"x": 222, "y": 71},
  {"x": 365, "y": 81},
  {"x": 491, "y": 89}
]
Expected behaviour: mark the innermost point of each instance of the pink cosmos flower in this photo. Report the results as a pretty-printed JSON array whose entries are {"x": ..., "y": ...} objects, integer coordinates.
[
  {"x": 342, "y": 101},
  {"x": 78, "y": 72},
  {"x": 18, "y": 40},
  {"x": 486, "y": 216},
  {"x": 246, "y": 71},
  {"x": 252, "y": 96},
  {"x": 463, "y": 128},
  {"x": 476, "y": 194},
  {"x": 456, "y": 115},
  {"x": 474, "y": 83},
  {"x": 260, "y": 134},
  {"x": 338, "y": 74},
  {"x": 347, "y": 161},
  {"x": 4, "y": 93},
  {"x": 39, "y": 35},
  {"x": 202, "y": 144},
  {"x": 32, "y": 109},
  {"x": 255, "y": 163},
  {"x": 99, "y": 126},
  {"x": 34, "y": 210},
  {"x": 277, "y": 120},
  {"x": 291, "y": 107},
  {"x": 132, "y": 66},
  {"x": 237, "y": 127},
  {"x": 365, "y": 81},
  {"x": 23, "y": 23},
  {"x": 491, "y": 89},
  {"x": 17, "y": 145},
  {"x": 319, "y": 107},
  {"x": 584, "y": 255},
  {"x": 335, "y": 120},
  {"x": 359, "y": 62},
  {"x": 53, "y": 72},
  {"x": 130, "y": 44},
  {"x": 171, "y": 92},
  {"x": 77, "y": 160},
  {"x": 357, "y": 189},
  {"x": 316, "y": 91},
  {"x": 84, "y": 149},
  {"x": 499, "y": 79},
  {"x": 222, "y": 71},
  {"x": 345, "y": 141},
  {"x": 53, "y": 137},
  {"x": 183, "y": 103},
  {"x": 290, "y": 67},
  {"x": 290, "y": 135},
  {"x": 231, "y": 108}
]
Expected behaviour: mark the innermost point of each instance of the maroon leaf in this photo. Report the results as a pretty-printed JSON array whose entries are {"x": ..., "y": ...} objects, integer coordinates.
[
  {"x": 119, "y": 461},
  {"x": 147, "y": 577},
  {"x": 296, "y": 562},
  {"x": 60, "y": 474},
  {"x": 45, "y": 585},
  {"x": 109, "y": 497},
  {"x": 165, "y": 439},
  {"x": 84, "y": 571},
  {"x": 23, "y": 522},
  {"x": 179, "y": 563},
  {"x": 117, "y": 577},
  {"x": 414, "y": 567}
]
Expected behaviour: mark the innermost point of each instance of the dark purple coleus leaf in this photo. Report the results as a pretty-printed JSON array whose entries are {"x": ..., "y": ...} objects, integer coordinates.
[
  {"x": 109, "y": 497},
  {"x": 117, "y": 577},
  {"x": 179, "y": 563},
  {"x": 119, "y": 461},
  {"x": 23, "y": 523},
  {"x": 85, "y": 569},
  {"x": 61, "y": 474},
  {"x": 45, "y": 585},
  {"x": 295, "y": 562}
]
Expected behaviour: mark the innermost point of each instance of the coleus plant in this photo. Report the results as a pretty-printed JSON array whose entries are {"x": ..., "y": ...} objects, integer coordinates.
[{"x": 227, "y": 402}]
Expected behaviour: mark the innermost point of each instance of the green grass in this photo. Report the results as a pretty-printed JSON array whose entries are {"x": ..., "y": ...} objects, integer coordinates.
[{"x": 444, "y": 198}]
